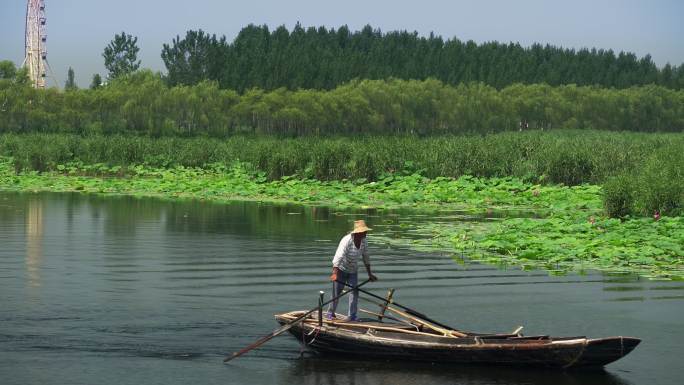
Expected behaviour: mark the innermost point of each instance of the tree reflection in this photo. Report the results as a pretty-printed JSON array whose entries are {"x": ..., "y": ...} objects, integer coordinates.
[{"x": 34, "y": 241}]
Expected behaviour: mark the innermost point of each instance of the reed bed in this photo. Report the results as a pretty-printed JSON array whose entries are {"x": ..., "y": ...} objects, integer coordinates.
[{"x": 642, "y": 172}]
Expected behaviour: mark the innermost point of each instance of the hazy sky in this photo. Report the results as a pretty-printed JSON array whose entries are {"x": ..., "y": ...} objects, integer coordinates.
[{"x": 78, "y": 30}]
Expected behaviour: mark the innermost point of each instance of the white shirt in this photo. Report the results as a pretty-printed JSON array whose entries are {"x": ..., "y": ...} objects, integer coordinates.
[{"x": 347, "y": 255}]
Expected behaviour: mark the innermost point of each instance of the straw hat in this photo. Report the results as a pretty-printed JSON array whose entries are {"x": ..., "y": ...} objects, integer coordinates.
[{"x": 360, "y": 227}]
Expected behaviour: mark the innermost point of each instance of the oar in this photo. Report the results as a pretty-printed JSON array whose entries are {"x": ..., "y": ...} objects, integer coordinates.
[
  {"x": 288, "y": 325},
  {"x": 406, "y": 309}
]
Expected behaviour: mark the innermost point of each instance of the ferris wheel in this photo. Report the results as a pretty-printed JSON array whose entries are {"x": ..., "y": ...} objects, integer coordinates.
[{"x": 35, "y": 51}]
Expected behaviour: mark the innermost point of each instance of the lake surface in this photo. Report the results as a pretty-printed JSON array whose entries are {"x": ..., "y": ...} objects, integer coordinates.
[{"x": 121, "y": 290}]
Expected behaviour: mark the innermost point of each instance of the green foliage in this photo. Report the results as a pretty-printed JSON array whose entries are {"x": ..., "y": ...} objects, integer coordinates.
[
  {"x": 96, "y": 82},
  {"x": 11, "y": 76},
  {"x": 196, "y": 58},
  {"x": 142, "y": 103},
  {"x": 571, "y": 242},
  {"x": 618, "y": 196},
  {"x": 660, "y": 183},
  {"x": 7, "y": 69},
  {"x": 70, "y": 83},
  {"x": 646, "y": 167},
  {"x": 121, "y": 55},
  {"x": 529, "y": 155},
  {"x": 321, "y": 58},
  {"x": 657, "y": 186}
]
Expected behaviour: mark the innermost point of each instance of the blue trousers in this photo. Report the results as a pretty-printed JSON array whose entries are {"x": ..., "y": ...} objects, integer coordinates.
[{"x": 350, "y": 279}]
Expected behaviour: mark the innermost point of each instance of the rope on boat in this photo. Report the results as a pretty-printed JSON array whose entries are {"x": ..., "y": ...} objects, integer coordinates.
[
  {"x": 304, "y": 335},
  {"x": 579, "y": 355},
  {"x": 317, "y": 330}
]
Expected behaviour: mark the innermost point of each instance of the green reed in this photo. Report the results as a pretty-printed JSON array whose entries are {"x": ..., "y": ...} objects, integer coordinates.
[{"x": 642, "y": 171}]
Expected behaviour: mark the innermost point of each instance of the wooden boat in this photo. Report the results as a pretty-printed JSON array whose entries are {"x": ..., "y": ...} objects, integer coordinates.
[{"x": 412, "y": 338}]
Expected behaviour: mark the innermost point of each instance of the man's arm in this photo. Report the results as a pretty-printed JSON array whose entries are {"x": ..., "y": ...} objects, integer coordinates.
[
  {"x": 366, "y": 262},
  {"x": 337, "y": 259}
]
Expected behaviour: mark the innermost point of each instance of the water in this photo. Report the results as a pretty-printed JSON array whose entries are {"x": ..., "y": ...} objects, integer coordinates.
[{"x": 120, "y": 290}]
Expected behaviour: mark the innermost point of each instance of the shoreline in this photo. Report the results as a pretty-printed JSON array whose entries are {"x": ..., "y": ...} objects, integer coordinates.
[{"x": 567, "y": 233}]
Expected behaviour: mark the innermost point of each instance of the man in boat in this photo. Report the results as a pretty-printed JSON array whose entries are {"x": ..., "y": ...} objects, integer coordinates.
[{"x": 345, "y": 267}]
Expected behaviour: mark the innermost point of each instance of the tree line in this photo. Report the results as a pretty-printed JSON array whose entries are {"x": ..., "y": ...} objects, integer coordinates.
[
  {"x": 143, "y": 103},
  {"x": 322, "y": 58}
]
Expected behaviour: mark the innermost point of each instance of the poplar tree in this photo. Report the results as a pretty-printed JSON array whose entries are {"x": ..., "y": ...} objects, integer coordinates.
[
  {"x": 97, "y": 82},
  {"x": 197, "y": 57},
  {"x": 70, "y": 83},
  {"x": 121, "y": 55},
  {"x": 323, "y": 58}
]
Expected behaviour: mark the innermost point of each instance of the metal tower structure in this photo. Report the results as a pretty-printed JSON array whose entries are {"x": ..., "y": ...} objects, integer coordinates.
[{"x": 35, "y": 52}]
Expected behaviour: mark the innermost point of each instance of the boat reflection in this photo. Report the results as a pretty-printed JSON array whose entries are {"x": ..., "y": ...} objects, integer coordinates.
[{"x": 315, "y": 370}]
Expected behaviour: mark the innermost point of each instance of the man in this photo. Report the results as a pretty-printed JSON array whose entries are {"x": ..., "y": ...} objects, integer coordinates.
[{"x": 345, "y": 267}]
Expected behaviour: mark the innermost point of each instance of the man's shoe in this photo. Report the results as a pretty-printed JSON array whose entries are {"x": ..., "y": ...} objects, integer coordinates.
[{"x": 330, "y": 316}]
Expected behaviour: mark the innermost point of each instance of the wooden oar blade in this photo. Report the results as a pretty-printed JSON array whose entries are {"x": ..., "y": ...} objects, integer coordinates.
[{"x": 259, "y": 342}]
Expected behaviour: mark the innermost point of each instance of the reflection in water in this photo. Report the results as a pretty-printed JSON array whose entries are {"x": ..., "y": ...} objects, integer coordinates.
[
  {"x": 325, "y": 370},
  {"x": 34, "y": 241}
]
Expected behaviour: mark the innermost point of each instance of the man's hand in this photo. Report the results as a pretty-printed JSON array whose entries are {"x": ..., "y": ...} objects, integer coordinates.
[
  {"x": 333, "y": 276},
  {"x": 371, "y": 277}
]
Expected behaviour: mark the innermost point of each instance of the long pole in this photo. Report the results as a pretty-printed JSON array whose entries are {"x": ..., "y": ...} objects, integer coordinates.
[
  {"x": 288, "y": 325},
  {"x": 445, "y": 331},
  {"x": 406, "y": 309}
]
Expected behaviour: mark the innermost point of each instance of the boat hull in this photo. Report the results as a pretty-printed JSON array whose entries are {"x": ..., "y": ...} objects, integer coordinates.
[{"x": 387, "y": 345}]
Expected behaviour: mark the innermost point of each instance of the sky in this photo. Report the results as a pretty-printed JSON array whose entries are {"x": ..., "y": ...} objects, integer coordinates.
[{"x": 78, "y": 30}]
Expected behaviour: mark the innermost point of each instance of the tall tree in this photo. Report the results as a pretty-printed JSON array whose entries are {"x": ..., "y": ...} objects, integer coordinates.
[
  {"x": 121, "y": 55},
  {"x": 323, "y": 59},
  {"x": 97, "y": 82},
  {"x": 70, "y": 83},
  {"x": 666, "y": 75},
  {"x": 197, "y": 57}
]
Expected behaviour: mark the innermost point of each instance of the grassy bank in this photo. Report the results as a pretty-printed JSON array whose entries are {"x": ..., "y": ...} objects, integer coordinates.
[
  {"x": 566, "y": 232},
  {"x": 642, "y": 172}
]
